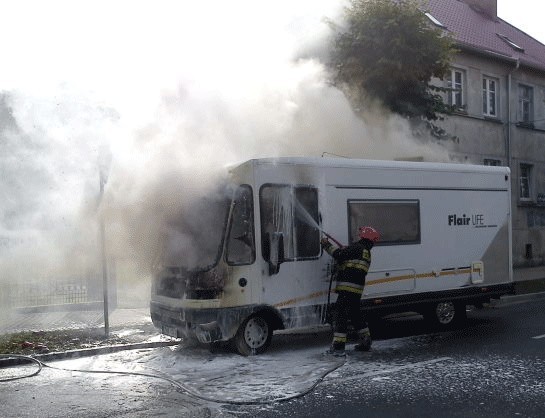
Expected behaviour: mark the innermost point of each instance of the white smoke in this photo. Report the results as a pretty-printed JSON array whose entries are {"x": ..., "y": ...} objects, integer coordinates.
[{"x": 173, "y": 91}]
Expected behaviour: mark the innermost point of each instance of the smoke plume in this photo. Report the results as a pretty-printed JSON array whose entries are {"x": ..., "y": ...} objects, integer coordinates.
[{"x": 156, "y": 100}]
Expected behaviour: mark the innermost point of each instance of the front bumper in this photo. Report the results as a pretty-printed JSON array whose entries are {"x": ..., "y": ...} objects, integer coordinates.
[{"x": 206, "y": 325}]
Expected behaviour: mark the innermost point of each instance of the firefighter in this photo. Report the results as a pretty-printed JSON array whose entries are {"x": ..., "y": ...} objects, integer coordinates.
[{"x": 353, "y": 263}]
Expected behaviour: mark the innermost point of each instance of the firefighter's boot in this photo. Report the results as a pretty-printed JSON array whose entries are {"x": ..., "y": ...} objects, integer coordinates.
[
  {"x": 336, "y": 351},
  {"x": 338, "y": 345},
  {"x": 364, "y": 340}
]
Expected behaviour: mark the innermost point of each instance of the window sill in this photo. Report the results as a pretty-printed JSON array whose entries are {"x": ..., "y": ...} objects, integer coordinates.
[
  {"x": 529, "y": 126},
  {"x": 484, "y": 118},
  {"x": 460, "y": 112},
  {"x": 526, "y": 125},
  {"x": 526, "y": 203},
  {"x": 494, "y": 119}
]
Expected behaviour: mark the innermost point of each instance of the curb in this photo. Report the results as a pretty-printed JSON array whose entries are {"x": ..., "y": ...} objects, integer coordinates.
[
  {"x": 67, "y": 307},
  {"x": 86, "y": 352},
  {"x": 521, "y": 297}
]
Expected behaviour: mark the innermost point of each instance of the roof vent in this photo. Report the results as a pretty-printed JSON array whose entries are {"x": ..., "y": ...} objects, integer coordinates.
[{"x": 510, "y": 43}]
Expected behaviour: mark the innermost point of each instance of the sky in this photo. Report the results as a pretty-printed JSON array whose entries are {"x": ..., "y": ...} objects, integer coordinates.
[{"x": 525, "y": 15}]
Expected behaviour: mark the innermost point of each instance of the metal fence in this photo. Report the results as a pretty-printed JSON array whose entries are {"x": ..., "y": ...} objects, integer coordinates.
[{"x": 55, "y": 291}]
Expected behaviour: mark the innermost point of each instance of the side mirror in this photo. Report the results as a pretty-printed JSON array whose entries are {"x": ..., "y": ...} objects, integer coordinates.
[{"x": 276, "y": 252}]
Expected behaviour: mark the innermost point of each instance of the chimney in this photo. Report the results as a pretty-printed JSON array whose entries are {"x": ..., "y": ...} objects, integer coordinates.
[{"x": 486, "y": 7}]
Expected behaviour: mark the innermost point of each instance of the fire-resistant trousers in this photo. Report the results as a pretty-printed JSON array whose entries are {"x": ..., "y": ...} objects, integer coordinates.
[{"x": 347, "y": 310}]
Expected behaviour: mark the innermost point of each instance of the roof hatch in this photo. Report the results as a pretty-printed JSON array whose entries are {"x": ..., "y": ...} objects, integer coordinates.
[
  {"x": 510, "y": 43},
  {"x": 434, "y": 20}
]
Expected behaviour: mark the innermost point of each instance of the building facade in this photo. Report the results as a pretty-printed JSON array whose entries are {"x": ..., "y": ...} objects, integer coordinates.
[{"x": 498, "y": 89}]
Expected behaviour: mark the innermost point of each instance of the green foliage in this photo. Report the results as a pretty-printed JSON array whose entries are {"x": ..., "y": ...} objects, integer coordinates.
[{"x": 389, "y": 51}]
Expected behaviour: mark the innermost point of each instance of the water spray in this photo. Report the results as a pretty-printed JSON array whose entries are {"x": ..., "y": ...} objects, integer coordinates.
[{"x": 309, "y": 220}]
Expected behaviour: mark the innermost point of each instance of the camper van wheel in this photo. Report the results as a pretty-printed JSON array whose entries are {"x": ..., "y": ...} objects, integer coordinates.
[
  {"x": 253, "y": 336},
  {"x": 446, "y": 314}
]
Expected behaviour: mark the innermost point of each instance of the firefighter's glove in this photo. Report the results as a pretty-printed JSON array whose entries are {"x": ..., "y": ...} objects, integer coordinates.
[{"x": 325, "y": 243}]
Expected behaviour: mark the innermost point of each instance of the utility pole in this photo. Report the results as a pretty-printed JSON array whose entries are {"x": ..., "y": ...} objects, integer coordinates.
[
  {"x": 103, "y": 180},
  {"x": 104, "y": 161}
]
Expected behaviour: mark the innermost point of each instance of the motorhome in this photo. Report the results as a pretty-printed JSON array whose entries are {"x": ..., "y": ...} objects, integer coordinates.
[{"x": 445, "y": 243}]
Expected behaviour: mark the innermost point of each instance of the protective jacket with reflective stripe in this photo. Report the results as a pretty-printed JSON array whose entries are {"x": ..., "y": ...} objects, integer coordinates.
[{"x": 352, "y": 265}]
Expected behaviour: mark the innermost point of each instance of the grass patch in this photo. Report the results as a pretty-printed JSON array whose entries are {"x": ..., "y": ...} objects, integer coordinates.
[{"x": 39, "y": 342}]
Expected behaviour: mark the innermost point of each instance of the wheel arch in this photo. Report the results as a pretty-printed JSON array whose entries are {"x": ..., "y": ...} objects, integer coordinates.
[
  {"x": 231, "y": 320},
  {"x": 271, "y": 315}
]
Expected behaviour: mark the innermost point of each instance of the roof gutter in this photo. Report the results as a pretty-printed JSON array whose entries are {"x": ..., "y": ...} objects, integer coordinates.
[
  {"x": 508, "y": 139},
  {"x": 500, "y": 56}
]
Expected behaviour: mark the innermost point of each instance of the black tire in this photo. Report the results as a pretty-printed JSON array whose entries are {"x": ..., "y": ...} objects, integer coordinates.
[
  {"x": 446, "y": 314},
  {"x": 216, "y": 347},
  {"x": 253, "y": 336}
]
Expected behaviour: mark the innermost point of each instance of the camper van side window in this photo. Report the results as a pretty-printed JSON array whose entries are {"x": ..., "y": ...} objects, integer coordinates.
[
  {"x": 241, "y": 240},
  {"x": 306, "y": 222},
  {"x": 398, "y": 221},
  {"x": 293, "y": 212}
]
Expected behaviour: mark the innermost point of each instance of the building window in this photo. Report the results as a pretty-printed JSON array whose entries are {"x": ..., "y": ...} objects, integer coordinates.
[
  {"x": 525, "y": 179},
  {"x": 491, "y": 162},
  {"x": 455, "y": 82},
  {"x": 526, "y": 103},
  {"x": 490, "y": 89},
  {"x": 398, "y": 221}
]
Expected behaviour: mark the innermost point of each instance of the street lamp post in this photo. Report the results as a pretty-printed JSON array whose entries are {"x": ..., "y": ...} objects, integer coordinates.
[{"x": 103, "y": 179}]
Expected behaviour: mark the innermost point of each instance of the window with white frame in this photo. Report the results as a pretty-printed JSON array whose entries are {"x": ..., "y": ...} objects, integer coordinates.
[
  {"x": 525, "y": 181},
  {"x": 490, "y": 96},
  {"x": 526, "y": 103},
  {"x": 455, "y": 82}
]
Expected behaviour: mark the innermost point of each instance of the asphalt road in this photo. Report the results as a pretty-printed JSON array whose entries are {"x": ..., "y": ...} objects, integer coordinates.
[{"x": 494, "y": 366}]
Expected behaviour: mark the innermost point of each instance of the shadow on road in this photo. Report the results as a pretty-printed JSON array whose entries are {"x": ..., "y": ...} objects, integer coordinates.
[{"x": 480, "y": 324}]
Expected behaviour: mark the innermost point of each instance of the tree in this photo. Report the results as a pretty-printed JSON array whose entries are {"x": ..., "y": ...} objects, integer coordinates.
[{"x": 389, "y": 50}]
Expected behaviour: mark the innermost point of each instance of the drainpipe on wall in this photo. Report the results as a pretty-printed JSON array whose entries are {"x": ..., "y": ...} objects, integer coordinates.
[{"x": 508, "y": 145}]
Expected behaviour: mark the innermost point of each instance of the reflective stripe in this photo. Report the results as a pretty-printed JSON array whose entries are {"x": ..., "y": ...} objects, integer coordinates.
[
  {"x": 350, "y": 284},
  {"x": 348, "y": 289},
  {"x": 355, "y": 264},
  {"x": 339, "y": 337}
]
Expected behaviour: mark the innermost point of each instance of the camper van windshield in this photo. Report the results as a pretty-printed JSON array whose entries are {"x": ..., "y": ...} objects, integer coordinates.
[
  {"x": 194, "y": 239},
  {"x": 241, "y": 239}
]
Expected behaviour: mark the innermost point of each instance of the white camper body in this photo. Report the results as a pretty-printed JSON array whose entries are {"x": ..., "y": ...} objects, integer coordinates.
[{"x": 446, "y": 243}]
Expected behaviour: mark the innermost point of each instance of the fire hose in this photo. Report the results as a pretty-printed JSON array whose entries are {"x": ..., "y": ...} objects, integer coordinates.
[
  {"x": 175, "y": 383},
  {"x": 331, "y": 273}
]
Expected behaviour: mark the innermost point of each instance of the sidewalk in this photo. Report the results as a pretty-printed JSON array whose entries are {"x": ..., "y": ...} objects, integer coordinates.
[
  {"x": 11, "y": 322},
  {"x": 529, "y": 280}
]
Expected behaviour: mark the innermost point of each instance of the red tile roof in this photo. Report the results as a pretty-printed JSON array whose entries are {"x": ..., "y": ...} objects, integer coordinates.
[{"x": 475, "y": 30}]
